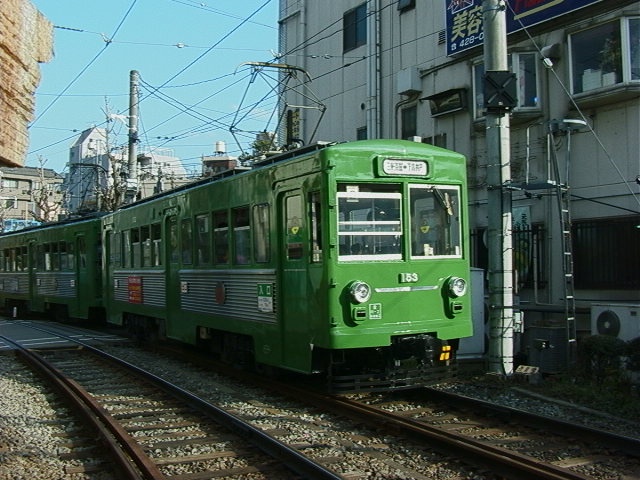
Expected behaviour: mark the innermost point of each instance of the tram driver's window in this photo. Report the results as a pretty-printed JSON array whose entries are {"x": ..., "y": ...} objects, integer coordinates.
[
  {"x": 316, "y": 227},
  {"x": 435, "y": 221}
]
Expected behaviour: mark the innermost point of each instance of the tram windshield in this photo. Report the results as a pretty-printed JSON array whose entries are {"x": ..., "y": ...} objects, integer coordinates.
[
  {"x": 370, "y": 222},
  {"x": 435, "y": 221}
]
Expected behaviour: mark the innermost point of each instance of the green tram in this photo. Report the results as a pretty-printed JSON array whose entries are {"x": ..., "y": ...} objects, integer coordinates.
[
  {"x": 53, "y": 268},
  {"x": 346, "y": 260}
]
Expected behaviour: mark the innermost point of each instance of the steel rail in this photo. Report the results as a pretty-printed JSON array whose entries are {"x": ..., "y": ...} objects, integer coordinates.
[
  {"x": 509, "y": 463},
  {"x": 116, "y": 439},
  {"x": 628, "y": 445},
  {"x": 290, "y": 457}
]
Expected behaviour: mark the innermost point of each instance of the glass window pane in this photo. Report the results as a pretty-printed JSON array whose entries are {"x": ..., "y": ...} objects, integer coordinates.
[
  {"x": 316, "y": 227},
  {"x": 241, "y": 236},
  {"x": 186, "y": 234},
  {"x": 82, "y": 252},
  {"x": 221, "y": 236},
  {"x": 527, "y": 80},
  {"x": 156, "y": 240},
  {"x": 370, "y": 222},
  {"x": 145, "y": 238},
  {"x": 294, "y": 233},
  {"x": 596, "y": 57},
  {"x": 64, "y": 260},
  {"x": 203, "y": 239},
  {"x": 261, "y": 243},
  {"x": 135, "y": 247},
  {"x": 435, "y": 221},
  {"x": 634, "y": 47},
  {"x": 174, "y": 249}
]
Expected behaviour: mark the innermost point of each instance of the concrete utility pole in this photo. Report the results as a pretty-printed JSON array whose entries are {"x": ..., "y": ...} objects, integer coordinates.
[
  {"x": 498, "y": 102},
  {"x": 132, "y": 177}
]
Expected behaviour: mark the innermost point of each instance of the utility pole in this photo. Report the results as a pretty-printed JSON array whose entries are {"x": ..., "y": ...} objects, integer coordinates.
[
  {"x": 499, "y": 96},
  {"x": 132, "y": 177}
]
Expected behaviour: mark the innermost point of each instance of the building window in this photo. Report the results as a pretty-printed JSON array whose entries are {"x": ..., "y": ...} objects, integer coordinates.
[
  {"x": 606, "y": 253},
  {"x": 605, "y": 55},
  {"x": 404, "y": 5},
  {"x": 525, "y": 66},
  {"x": 361, "y": 133},
  {"x": 409, "y": 122},
  {"x": 439, "y": 140},
  {"x": 354, "y": 28}
]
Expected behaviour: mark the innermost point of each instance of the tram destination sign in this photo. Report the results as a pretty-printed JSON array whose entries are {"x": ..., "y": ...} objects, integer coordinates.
[
  {"x": 394, "y": 167},
  {"x": 464, "y": 18}
]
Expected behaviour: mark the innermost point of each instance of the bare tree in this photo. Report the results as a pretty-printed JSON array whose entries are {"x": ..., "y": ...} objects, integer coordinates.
[{"x": 47, "y": 205}]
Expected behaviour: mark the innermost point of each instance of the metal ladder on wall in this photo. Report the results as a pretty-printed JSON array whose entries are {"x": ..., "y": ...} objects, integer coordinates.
[
  {"x": 563, "y": 198},
  {"x": 555, "y": 182}
]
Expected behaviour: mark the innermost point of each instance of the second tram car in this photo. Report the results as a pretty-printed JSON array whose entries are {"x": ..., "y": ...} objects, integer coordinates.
[
  {"x": 53, "y": 268},
  {"x": 347, "y": 260}
]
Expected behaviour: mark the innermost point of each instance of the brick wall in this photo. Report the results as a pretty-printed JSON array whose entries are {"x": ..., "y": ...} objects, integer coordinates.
[{"x": 26, "y": 39}]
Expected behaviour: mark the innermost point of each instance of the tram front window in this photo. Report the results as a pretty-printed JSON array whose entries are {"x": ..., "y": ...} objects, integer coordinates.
[
  {"x": 435, "y": 221},
  {"x": 369, "y": 222}
]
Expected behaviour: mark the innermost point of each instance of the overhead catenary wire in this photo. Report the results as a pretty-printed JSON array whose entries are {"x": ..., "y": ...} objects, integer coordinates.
[{"x": 86, "y": 67}]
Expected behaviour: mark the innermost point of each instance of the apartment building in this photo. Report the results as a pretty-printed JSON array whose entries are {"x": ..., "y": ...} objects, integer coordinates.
[{"x": 29, "y": 196}]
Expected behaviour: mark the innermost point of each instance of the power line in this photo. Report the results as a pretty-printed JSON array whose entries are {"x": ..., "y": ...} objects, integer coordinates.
[{"x": 86, "y": 67}]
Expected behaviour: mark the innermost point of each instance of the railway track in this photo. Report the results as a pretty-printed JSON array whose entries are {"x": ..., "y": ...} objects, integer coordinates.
[
  {"x": 150, "y": 426},
  {"x": 471, "y": 446},
  {"x": 493, "y": 436}
]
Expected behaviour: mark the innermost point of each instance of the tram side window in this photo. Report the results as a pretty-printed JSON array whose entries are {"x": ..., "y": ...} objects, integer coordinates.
[
  {"x": 261, "y": 243},
  {"x": 316, "y": 227},
  {"x": 55, "y": 257},
  {"x": 203, "y": 239},
  {"x": 2, "y": 265},
  {"x": 116, "y": 249},
  {"x": 156, "y": 241},
  {"x": 241, "y": 236},
  {"x": 19, "y": 265},
  {"x": 25, "y": 258},
  {"x": 294, "y": 234},
  {"x": 9, "y": 257},
  {"x": 186, "y": 234},
  {"x": 64, "y": 259},
  {"x": 221, "y": 236},
  {"x": 126, "y": 249},
  {"x": 369, "y": 222},
  {"x": 145, "y": 242},
  {"x": 435, "y": 221},
  {"x": 135, "y": 247}
]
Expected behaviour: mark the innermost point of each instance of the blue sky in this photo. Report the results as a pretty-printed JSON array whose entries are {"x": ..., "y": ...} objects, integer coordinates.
[{"x": 189, "y": 55}]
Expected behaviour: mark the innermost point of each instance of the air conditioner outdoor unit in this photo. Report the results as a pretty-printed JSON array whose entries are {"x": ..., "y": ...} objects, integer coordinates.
[{"x": 620, "y": 320}]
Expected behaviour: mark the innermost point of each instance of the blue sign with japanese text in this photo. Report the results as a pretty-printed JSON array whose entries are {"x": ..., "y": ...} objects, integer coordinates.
[{"x": 464, "y": 18}]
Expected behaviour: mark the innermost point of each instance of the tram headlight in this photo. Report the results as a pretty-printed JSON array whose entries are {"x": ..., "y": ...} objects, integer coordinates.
[
  {"x": 360, "y": 291},
  {"x": 457, "y": 286}
]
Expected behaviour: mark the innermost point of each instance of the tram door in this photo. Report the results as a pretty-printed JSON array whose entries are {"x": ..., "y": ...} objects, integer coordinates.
[{"x": 293, "y": 299}]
